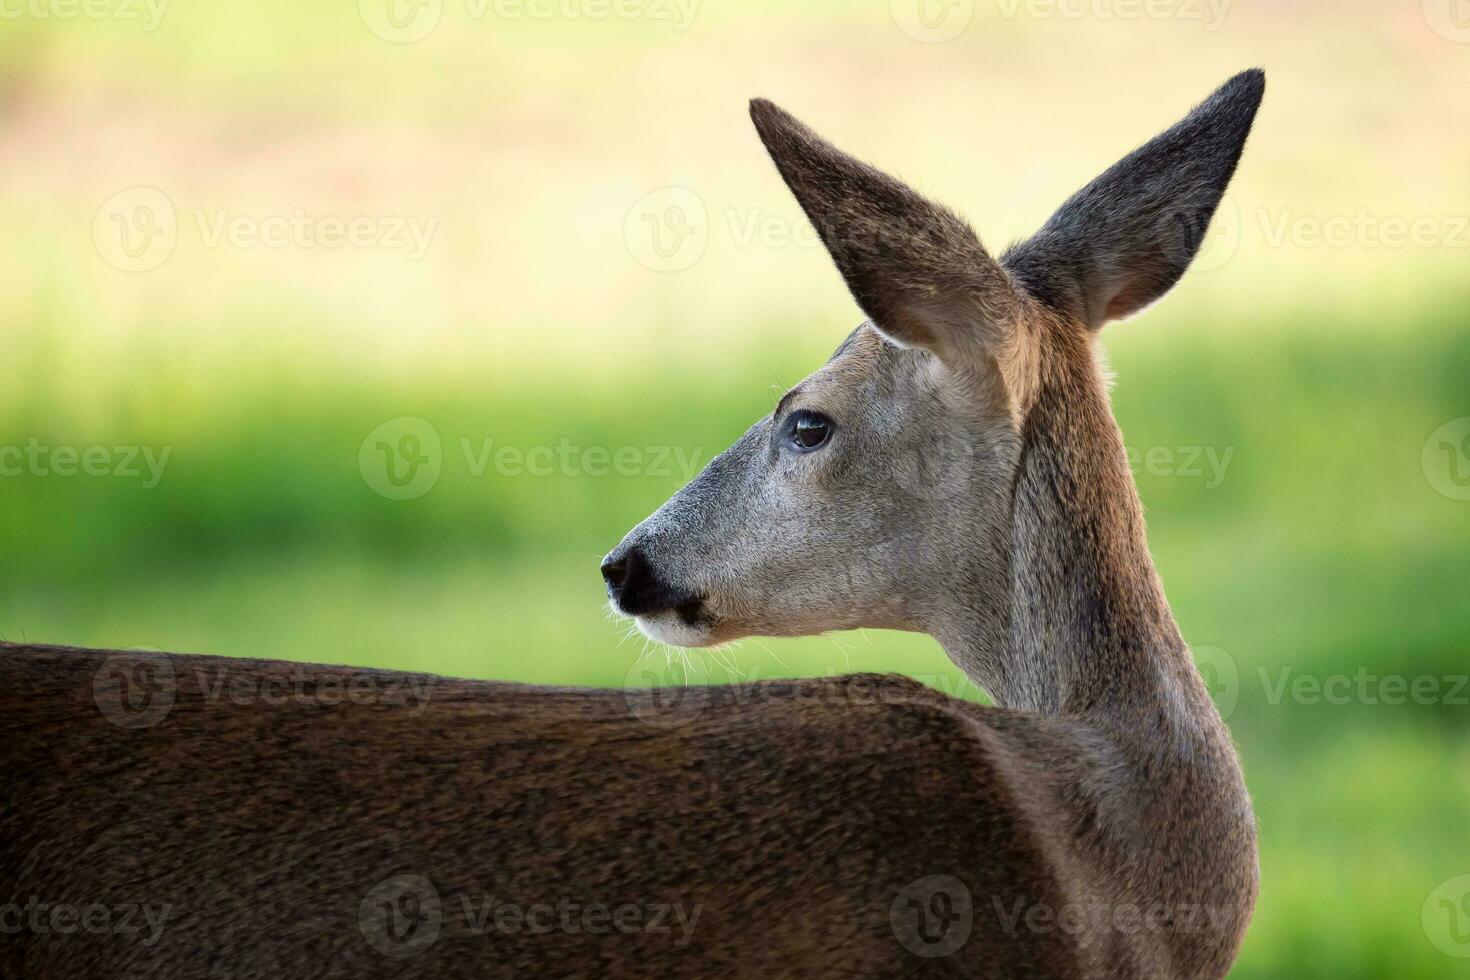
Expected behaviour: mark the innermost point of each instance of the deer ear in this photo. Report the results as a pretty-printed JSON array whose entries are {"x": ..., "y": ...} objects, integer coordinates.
[
  {"x": 1124, "y": 240},
  {"x": 915, "y": 268}
]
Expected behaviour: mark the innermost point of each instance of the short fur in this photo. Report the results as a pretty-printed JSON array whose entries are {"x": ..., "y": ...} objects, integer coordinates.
[{"x": 974, "y": 487}]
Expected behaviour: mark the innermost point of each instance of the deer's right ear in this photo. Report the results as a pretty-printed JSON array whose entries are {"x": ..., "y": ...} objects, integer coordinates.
[
  {"x": 915, "y": 268},
  {"x": 1125, "y": 239}
]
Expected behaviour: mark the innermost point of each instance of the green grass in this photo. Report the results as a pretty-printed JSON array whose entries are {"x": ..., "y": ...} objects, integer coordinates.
[{"x": 1323, "y": 551}]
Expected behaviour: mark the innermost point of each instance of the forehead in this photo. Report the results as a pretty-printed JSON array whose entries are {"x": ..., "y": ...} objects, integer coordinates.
[
  {"x": 866, "y": 367},
  {"x": 867, "y": 361},
  {"x": 865, "y": 341}
]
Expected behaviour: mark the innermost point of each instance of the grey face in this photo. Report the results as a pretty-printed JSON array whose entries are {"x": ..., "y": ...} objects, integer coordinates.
[
  {"x": 837, "y": 511},
  {"x": 879, "y": 491}
]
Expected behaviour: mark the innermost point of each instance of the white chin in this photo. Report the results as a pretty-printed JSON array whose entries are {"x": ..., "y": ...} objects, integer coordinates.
[{"x": 667, "y": 627}]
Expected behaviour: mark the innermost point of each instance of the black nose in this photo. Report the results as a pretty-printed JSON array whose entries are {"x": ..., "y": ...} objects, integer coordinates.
[
  {"x": 624, "y": 570},
  {"x": 637, "y": 589}
]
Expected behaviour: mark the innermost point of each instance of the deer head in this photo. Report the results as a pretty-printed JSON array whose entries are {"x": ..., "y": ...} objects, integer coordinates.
[{"x": 883, "y": 490}]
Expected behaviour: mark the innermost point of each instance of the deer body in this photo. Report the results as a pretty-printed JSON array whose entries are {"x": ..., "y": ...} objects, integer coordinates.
[{"x": 953, "y": 469}]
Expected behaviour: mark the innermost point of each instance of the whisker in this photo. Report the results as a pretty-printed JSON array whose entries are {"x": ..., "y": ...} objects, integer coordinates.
[
  {"x": 729, "y": 665},
  {"x": 627, "y": 632},
  {"x": 846, "y": 653},
  {"x": 771, "y": 653}
]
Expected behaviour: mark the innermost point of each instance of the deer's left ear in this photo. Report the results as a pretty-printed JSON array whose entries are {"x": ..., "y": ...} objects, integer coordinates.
[
  {"x": 1125, "y": 239},
  {"x": 915, "y": 268}
]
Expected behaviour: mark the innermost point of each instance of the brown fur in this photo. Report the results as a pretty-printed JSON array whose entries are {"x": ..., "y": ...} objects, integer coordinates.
[
  {"x": 265, "y": 829},
  {"x": 1094, "y": 824}
]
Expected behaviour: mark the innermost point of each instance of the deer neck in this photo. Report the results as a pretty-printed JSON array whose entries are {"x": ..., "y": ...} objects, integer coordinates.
[{"x": 1086, "y": 629}]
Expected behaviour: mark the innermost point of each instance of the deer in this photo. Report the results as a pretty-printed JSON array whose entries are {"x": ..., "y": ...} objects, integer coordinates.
[{"x": 954, "y": 469}]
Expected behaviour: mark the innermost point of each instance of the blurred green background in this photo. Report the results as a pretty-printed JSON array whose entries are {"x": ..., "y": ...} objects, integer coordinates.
[{"x": 605, "y": 261}]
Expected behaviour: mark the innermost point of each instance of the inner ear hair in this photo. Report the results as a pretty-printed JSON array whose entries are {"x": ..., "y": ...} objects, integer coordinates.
[
  {"x": 1125, "y": 239},
  {"x": 915, "y": 267}
]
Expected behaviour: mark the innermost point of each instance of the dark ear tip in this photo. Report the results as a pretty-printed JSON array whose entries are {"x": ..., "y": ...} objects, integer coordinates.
[
  {"x": 1231, "y": 108},
  {"x": 1245, "y": 89},
  {"x": 769, "y": 117},
  {"x": 1253, "y": 80}
]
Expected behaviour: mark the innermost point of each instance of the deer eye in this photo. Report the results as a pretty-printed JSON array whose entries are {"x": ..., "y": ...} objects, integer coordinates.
[{"x": 809, "y": 431}]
